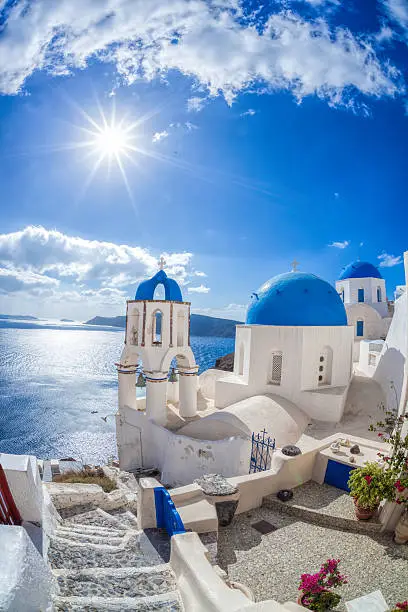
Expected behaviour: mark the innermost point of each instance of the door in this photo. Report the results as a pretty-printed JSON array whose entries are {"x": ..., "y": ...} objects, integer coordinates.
[
  {"x": 361, "y": 295},
  {"x": 337, "y": 475},
  {"x": 360, "y": 328}
]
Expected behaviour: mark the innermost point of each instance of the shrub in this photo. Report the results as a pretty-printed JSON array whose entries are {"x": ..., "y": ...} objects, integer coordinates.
[
  {"x": 402, "y": 606},
  {"x": 88, "y": 476},
  {"x": 369, "y": 485},
  {"x": 316, "y": 594}
]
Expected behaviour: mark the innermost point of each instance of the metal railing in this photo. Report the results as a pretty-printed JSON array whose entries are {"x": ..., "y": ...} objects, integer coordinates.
[
  {"x": 167, "y": 516},
  {"x": 9, "y": 514},
  {"x": 261, "y": 452}
]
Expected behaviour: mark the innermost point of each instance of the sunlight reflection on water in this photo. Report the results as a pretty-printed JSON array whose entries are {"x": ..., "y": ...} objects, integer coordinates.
[{"x": 52, "y": 379}]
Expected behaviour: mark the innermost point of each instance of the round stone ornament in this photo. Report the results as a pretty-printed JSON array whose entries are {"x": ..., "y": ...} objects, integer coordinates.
[
  {"x": 290, "y": 450},
  {"x": 284, "y": 495}
]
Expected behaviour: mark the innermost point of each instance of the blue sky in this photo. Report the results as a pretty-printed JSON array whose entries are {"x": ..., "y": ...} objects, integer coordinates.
[{"x": 259, "y": 136}]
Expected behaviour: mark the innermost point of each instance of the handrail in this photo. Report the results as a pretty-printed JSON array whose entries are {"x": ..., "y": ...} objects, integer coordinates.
[
  {"x": 9, "y": 514},
  {"x": 167, "y": 516}
]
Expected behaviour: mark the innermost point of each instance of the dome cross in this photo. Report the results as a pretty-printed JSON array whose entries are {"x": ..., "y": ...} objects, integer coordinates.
[
  {"x": 161, "y": 263},
  {"x": 294, "y": 265}
]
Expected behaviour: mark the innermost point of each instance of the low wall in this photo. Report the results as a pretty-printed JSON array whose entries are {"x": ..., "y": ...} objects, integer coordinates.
[
  {"x": 25, "y": 485},
  {"x": 201, "y": 588},
  {"x": 181, "y": 459}
]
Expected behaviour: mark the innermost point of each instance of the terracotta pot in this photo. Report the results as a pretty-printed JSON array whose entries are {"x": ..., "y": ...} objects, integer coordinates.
[
  {"x": 401, "y": 530},
  {"x": 364, "y": 514}
]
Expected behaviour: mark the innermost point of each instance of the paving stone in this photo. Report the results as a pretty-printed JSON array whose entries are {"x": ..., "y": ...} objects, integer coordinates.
[{"x": 169, "y": 602}]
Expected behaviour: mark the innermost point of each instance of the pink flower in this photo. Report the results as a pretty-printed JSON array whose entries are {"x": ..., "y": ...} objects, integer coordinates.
[
  {"x": 398, "y": 485},
  {"x": 380, "y": 435},
  {"x": 368, "y": 479}
]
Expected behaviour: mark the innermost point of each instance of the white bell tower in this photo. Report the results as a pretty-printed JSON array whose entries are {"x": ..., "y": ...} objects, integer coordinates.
[{"x": 157, "y": 331}]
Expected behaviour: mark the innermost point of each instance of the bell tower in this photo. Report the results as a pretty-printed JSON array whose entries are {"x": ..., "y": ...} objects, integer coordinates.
[{"x": 158, "y": 331}]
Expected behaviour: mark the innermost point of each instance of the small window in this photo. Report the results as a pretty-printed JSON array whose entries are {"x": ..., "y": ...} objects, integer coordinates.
[
  {"x": 320, "y": 378},
  {"x": 379, "y": 296},
  {"x": 320, "y": 368},
  {"x": 360, "y": 328},
  {"x": 341, "y": 294},
  {"x": 321, "y": 358},
  {"x": 325, "y": 367},
  {"x": 361, "y": 295},
  {"x": 276, "y": 368},
  {"x": 157, "y": 328}
]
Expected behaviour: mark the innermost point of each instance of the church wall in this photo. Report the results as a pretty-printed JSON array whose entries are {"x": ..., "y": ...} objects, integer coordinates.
[
  {"x": 352, "y": 285},
  {"x": 300, "y": 348},
  {"x": 390, "y": 368},
  {"x": 373, "y": 324},
  {"x": 181, "y": 459}
]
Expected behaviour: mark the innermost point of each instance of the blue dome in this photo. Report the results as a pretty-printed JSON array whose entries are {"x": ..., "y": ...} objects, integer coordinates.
[
  {"x": 360, "y": 269},
  {"x": 146, "y": 289},
  {"x": 297, "y": 299}
]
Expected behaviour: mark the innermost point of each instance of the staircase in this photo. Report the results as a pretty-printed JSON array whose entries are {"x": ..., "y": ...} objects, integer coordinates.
[{"x": 102, "y": 561}]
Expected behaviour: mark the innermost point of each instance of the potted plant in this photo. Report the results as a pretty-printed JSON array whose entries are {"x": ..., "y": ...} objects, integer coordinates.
[
  {"x": 402, "y": 606},
  {"x": 393, "y": 431},
  {"x": 316, "y": 588},
  {"x": 369, "y": 485}
]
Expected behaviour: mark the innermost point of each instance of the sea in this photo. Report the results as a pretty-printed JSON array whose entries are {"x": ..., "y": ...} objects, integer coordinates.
[{"x": 57, "y": 381}]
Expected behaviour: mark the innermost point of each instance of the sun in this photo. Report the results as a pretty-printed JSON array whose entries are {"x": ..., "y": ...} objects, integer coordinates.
[{"x": 112, "y": 140}]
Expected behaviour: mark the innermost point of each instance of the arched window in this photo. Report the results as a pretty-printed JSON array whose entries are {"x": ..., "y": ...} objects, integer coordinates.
[
  {"x": 180, "y": 329},
  {"x": 275, "y": 372},
  {"x": 341, "y": 294},
  {"x": 360, "y": 328},
  {"x": 157, "y": 328},
  {"x": 325, "y": 366},
  {"x": 159, "y": 292},
  {"x": 379, "y": 296},
  {"x": 134, "y": 339},
  {"x": 361, "y": 295},
  {"x": 241, "y": 357}
]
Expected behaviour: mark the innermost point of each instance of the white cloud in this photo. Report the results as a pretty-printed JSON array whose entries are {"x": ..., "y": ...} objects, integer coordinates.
[
  {"x": 157, "y": 136},
  {"x": 198, "y": 273},
  {"x": 49, "y": 264},
  {"x": 339, "y": 245},
  {"x": 196, "y": 104},
  {"x": 397, "y": 10},
  {"x": 200, "y": 289},
  {"x": 250, "y": 112},
  {"x": 206, "y": 41},
  {"x": 389, "y": 261},
  {"x": 190, "y": 126}
]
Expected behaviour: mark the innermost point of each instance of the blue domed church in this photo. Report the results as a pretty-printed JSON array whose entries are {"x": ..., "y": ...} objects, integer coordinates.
[
  {"x": 363, "y": 292},
  {"x": 295, "y": 344}
]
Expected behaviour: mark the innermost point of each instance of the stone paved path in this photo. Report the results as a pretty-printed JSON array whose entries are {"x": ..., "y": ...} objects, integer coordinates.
[
  {"x": 271, "y": 564},
  {"x": 103, "y": 562}
]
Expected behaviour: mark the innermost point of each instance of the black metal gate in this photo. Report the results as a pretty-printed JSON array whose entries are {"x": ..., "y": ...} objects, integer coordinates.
[{"x": 261, "y": 453}]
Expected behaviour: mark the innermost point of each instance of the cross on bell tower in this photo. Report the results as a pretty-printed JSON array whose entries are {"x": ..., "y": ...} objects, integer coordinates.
[
  {"x": 161, "y": 263},
  {"x": 294, "y": 265}
]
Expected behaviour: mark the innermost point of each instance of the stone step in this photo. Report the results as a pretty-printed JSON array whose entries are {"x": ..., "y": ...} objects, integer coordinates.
[
  {"x": 91, "y": 530},
  {"x": 323, "y": 505},
  {"x": 125, "y": 518},
  {"x": 71, "y": 536},
  {"x": 135, "y": 550},
  {"x": 96, "y": 517},
  {"x": 169, "y": 602},
  {"x": 116, "y": 582}
]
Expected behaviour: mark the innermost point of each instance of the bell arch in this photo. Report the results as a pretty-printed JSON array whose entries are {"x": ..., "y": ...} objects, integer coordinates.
[{"x": 157, "y": 327}]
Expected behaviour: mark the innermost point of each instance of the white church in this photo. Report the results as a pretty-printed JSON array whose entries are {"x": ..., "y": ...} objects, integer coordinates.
[{"x": 293, "y": 363}]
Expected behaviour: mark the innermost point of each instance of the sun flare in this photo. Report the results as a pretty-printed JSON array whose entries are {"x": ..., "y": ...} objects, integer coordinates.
[{"x": 112, "y": 140}]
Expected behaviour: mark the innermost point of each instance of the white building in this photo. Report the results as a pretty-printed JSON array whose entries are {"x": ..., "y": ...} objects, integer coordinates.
[
  {"x": 363, "y": 292},
  {"x": 293, "y": 362}
]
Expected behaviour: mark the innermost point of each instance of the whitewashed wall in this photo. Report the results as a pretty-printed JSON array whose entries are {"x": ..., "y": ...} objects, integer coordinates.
[
  {"x": 373, "y": 323},
  {"x": 352, "y": 285},
  {"x": 301, "y": 347},
  {"x": 390, "y": 368},
  {"x": 181, "y": 459}
]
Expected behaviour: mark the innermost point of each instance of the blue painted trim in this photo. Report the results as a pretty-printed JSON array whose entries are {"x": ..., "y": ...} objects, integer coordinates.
[
  {"x": 146, "y": 289},
  {"x": 167, "y": 516},
  {"x": 360, "y": 329},
  {"x": 337, "y": 475}
]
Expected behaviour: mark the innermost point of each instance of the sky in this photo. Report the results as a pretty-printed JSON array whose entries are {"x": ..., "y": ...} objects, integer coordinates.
[{"x": 230, "y": 137}]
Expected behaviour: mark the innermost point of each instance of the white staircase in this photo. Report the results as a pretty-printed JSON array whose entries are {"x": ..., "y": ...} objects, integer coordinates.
[{"x": 103, "y": 562}]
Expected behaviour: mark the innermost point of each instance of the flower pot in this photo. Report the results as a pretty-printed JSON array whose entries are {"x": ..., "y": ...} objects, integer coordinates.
[
  {"x": 300, "y": 601},
  {"x": 401, "y": 530},
  {"x": 364, "y": 514}
]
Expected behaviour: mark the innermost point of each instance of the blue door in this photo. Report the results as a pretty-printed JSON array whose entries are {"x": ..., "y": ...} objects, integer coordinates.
[
  {"x": 337, "y": 475},
  {"x": 360, "y": 328},
  {"x": 361, "y": 295}
]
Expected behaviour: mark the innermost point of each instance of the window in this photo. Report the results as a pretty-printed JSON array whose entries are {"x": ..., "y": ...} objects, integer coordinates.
[
  {"x": 157, "y": 328},
  {"x": 379, "y": 296},
  {"x": 372, "y": 359},
  {"x": 180, "y": 329},
  {"x": 360, "y": 328},
  {"x": 134, "y": 337},
  {"x": 275, "y": 374},
  {"x": 341, "y": 294},
  {"x": 361, "y": 295},
  {"x": 325, "y": 366}
]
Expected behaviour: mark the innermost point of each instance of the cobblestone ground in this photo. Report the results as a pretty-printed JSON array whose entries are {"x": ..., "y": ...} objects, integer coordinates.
[{"x": 271, "y": 564}]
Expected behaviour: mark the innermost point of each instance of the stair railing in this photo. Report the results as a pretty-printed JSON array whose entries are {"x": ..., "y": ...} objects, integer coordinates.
[{"x": 167, "y": 516}]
